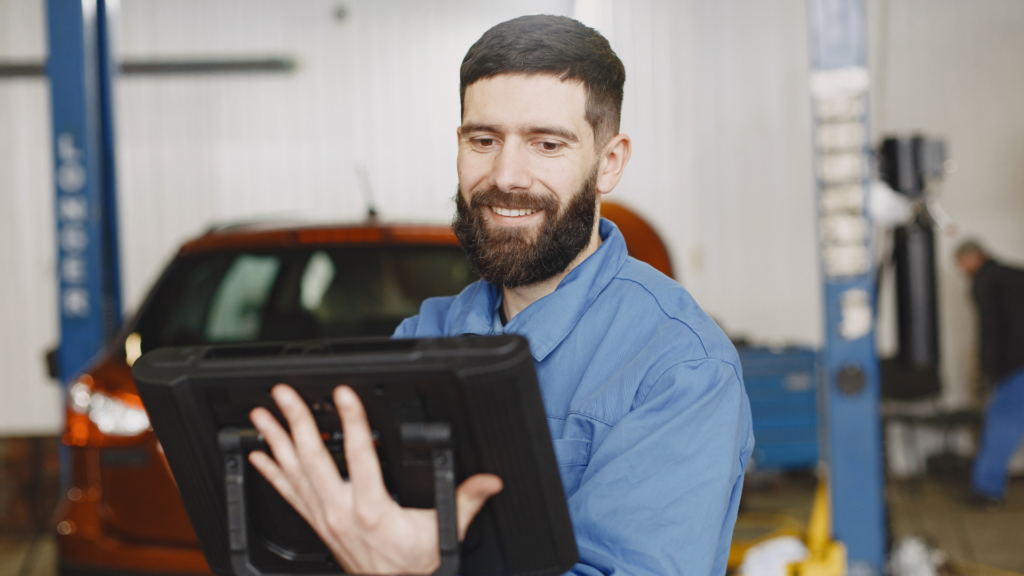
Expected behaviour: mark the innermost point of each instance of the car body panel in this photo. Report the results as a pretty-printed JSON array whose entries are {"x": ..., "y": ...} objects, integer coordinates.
[{"x": 126, "y": 514}]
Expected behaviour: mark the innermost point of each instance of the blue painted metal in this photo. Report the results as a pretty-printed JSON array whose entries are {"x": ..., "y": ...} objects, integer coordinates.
[
  {"x": 106, "y": 12},
  {"x": 783, "y": 404},
  {"x": 852, "y": 445},
  {"x": 88, "y": 274},
  {"x": 838, "y": 33},
  {"x": 854, "y": 437}
]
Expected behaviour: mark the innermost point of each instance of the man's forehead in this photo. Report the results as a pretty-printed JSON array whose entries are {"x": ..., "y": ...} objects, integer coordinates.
[{"x": 516, "y": 101}]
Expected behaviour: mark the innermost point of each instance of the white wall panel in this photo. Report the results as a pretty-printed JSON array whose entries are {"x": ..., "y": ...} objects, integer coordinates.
[
  {"x": 653, "y": 40},
  {"x": 377, "y": 89},
  {"x": 755, "y": 264},
  {"x": 29, "y": 401},
  {"x": 716, "y": 104}
]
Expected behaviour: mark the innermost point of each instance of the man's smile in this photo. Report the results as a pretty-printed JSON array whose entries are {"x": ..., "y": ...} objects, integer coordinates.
[{"x": 513, "y": 212}]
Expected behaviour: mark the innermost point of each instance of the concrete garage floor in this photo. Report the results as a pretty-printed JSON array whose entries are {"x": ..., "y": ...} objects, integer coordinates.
[
  {"x": 978, "y": 542},
  {"x": 13, "y": 555},
  {"x": 935, "y": 510}
]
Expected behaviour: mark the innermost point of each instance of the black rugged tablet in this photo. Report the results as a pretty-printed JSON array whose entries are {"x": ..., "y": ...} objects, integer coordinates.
[{"x": 441, "y": 410}]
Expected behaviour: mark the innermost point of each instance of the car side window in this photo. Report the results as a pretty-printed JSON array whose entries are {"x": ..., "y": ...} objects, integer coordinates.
[
  {"x": 297, "y": 293},
  {"x": 316, "y": 278},
  {"x": 236, "y": 311}
]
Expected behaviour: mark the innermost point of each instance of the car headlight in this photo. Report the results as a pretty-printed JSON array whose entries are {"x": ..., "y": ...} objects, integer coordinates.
[{"x": 112, "y": 413}]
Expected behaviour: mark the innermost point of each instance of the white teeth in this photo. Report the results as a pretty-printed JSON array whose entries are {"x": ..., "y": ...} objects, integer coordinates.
[{"x": 512, "y": 212}]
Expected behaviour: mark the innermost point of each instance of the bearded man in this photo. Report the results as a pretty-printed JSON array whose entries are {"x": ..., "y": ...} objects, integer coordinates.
[{"x": 643, "y": 392}]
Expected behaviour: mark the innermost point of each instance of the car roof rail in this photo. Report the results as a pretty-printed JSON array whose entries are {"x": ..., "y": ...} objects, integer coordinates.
[{"x": 255, "y": 222}]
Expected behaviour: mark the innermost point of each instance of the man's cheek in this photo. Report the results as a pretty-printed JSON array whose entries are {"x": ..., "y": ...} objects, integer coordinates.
[{"x": 471, "y": 177}]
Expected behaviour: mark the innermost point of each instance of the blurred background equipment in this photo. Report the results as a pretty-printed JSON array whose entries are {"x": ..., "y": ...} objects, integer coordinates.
[
  {"x": 782, "y": 384},
  {"x": 913, "y": 167},
  {"x": 909, "y": 165}
]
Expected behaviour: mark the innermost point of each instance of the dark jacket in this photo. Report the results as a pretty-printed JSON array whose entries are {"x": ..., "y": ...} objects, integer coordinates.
[{"x": 999, "y": 294}]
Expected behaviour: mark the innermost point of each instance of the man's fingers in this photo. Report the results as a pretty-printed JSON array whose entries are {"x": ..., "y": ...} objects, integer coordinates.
[
  {"x": 360, "y": 453},
  {"x": 287, "y": 464},
  {"x": 304, "y": 430},
  {"x": 276, "y": 437},
  {"x": 266, "y": 466},
  {"x": 316, "y": 460},
  {"x": 471, "y": 496}
]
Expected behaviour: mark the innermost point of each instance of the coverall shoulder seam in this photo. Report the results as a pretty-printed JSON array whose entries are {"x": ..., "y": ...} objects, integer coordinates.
[{"x": 666, "y": 312}]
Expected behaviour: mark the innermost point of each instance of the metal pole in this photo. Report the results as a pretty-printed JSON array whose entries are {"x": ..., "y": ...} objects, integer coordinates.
[
  {"x": 88, "y": 271},
  {"x": 86, "y": 219},
  {"x": 106, "y": 18},
  {"x": 852, "y": 444}
]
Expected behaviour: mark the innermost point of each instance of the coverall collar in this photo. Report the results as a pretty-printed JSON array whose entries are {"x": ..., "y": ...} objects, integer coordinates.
[{"x": 547, "y": 322}]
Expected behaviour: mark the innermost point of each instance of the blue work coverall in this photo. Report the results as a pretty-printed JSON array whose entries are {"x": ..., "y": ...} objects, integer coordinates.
[
  {"x": 999, "y": 293},
  {"x": 645, "y": 402}
]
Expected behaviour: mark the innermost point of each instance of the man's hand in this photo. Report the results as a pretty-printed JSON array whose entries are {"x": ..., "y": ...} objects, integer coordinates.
[{"x": 367, "y": 531}]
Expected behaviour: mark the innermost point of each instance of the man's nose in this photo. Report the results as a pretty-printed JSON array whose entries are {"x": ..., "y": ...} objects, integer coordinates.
[{"x": 511, "y": 169}]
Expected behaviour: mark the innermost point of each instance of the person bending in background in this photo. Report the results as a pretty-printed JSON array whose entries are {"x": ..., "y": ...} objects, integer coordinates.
[
  {"x": 643, "y": 392},
  {"x": 998, "y": 292}
]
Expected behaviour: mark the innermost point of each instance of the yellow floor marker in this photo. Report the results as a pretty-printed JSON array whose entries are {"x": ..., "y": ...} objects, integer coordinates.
[{"x": 825, "y": 557}]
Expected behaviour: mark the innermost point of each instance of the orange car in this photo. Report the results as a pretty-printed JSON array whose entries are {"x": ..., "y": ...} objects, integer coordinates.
[{"x": 122, "y": 514}]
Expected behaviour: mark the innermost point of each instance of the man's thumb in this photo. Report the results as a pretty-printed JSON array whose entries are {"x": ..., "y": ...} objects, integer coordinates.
[{"x": 471, "y": 496}]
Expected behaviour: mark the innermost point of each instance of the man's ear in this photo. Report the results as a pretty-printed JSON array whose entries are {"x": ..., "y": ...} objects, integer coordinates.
[{"x": 613, "y": 162}]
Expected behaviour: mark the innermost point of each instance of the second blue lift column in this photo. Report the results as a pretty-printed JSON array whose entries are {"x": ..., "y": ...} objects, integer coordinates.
[{"x": 851, "y": 443}]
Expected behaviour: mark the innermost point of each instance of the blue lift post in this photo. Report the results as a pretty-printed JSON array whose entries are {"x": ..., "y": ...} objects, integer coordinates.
[
  {"x": 851, "y": 437},
  {"x": 79, "y": 69}
]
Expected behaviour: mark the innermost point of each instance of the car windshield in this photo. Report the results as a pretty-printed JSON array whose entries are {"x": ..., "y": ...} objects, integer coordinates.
[{"x": 297, "y": 294}]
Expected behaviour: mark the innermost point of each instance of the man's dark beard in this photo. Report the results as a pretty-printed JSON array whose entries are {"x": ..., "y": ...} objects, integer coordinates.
[{"x": 508, "y": 256}]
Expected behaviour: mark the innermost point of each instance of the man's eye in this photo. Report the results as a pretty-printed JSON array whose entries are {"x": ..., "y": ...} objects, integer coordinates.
[
  {"x": 550, "y": 146},
  {"x": 485, "y": 142}
]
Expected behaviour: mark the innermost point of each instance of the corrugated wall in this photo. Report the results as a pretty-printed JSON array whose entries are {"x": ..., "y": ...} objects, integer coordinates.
[
  {"x": 715, "y": 102},
  {"x": 755, "y": 262},
  {"x": 29, "y": 402}
]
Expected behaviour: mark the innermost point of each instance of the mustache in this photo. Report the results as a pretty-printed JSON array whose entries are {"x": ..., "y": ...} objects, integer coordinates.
[
  {"x": 512, "y": 257},
  {"x": 515, "y": 200}
]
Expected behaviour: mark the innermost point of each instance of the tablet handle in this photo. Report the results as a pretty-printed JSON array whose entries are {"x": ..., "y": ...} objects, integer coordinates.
[
  {"x": 438, "y": 437},
  {"x": 236, "y": 444}
]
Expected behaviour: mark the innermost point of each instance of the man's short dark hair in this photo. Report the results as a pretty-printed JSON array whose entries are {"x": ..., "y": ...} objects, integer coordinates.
[
  {"x": 558, "y": 46},
  {"x": 969, "y": 246}
]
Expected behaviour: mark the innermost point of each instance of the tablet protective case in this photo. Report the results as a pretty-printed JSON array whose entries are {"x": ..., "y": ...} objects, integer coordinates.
[{"x": 481, "y": 390}]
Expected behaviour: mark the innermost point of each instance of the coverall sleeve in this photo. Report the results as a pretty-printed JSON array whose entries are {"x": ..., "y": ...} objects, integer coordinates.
[
  {"x": 429, "y": 323},
  {"x": 662, "y": 488},
  {"x": 407, "y": 329}
]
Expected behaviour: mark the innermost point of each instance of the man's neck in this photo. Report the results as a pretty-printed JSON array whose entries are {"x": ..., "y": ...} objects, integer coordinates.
[{"x": 515, "y": 300}]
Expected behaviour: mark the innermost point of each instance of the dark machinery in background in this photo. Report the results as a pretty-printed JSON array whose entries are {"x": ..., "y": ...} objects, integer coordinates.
[
  {"x": 911, "y": 165},
  {"x": 908, "y": 165}
]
